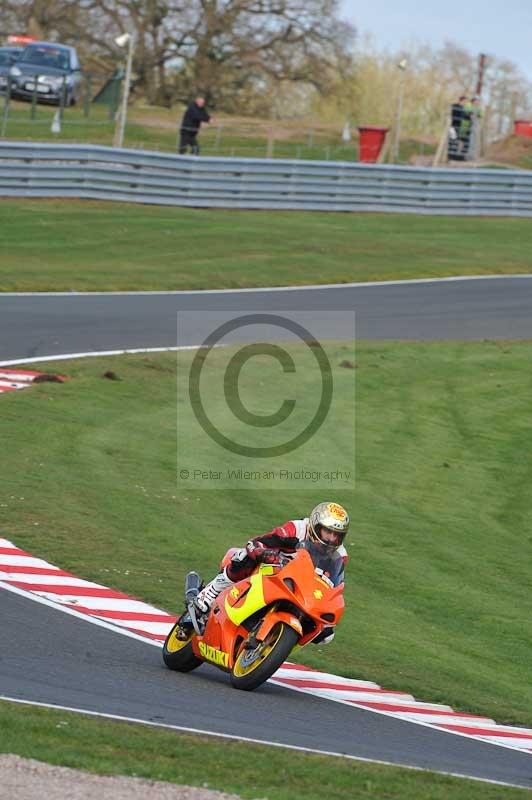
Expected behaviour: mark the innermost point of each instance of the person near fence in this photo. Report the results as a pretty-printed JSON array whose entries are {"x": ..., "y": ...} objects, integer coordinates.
[
  {"x": 195, "y": 114},
  {"x": 464, "y": 133},
  {"x": 459, "y": 117}
]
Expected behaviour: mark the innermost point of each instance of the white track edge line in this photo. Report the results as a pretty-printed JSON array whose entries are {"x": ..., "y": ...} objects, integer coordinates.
[
  {"x": 79, "y": 614},
  {"x": 303, "y": 287},
  {"x": 249, "y": 740},
  {"x": 97, "y": 354}
]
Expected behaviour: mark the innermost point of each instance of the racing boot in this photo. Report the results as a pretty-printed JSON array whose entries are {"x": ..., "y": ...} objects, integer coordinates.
[{"x": 208, "y": 595}]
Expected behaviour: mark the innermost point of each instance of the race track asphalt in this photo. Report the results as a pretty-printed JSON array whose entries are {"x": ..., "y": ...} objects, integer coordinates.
[
  {"x": 74, "y": 663},
  {"x": 41, "y": 325}
]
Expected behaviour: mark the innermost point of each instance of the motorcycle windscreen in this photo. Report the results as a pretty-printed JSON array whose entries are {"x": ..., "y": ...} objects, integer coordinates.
[{"x": 332, "y": 564}]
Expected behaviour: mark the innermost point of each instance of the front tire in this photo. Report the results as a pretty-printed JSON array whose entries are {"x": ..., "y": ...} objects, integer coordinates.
[
  {"x": 178, "y": 653},
  {"x": 252, "y": 668}
]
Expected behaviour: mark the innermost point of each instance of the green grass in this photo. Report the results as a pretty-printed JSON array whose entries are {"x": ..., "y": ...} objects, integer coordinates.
[
  {"x": 438, "y": 592},
  {"x": 114, "y": 748},
  {"x": 103, "y": 246}
]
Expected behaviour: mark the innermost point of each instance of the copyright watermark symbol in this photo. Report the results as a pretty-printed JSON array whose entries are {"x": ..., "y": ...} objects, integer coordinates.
[
  {"x": 263, "y": 399},
  {"x": 231, "y": 386}
]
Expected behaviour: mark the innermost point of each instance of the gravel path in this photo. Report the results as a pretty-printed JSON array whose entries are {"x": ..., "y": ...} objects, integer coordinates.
[{"x": 27, "y": 779}]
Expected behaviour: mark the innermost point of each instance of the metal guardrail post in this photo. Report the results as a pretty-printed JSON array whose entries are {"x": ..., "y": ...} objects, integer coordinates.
[
  {"x": 113, "y": 100},
  {"x": 62, "y": 99},
  {"x": 218, "y": 137},
  {"x": 270, "y": 145},
  {"x": 87, "y": 98},
  {"x": 5, "y": 113},
  {"x": 33, "y": 110}
]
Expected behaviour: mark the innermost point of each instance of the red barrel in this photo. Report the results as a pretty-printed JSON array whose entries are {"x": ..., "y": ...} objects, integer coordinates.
[
  {"x": 523, "y": 127},
  {"x": 372, "y": 140}
]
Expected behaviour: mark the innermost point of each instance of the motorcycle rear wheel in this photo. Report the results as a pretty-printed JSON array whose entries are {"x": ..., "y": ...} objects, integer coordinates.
[
  {"x": 178, "y": 654},
  {"x": 251, "y": 668}
]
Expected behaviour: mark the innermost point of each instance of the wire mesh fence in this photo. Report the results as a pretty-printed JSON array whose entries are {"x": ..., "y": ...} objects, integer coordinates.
[
  {"x": 90, "y": 118},
  {"x": 39, "y": 100}
]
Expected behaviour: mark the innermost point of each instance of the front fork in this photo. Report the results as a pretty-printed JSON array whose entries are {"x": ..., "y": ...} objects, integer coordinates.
[{"x": 190, "y": 620}]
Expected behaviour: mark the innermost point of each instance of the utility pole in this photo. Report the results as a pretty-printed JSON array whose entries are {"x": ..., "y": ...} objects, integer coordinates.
[
  {"x": 402, "y": 65},
  {"x": 482, "y": 58},
  {"x": 476, "y": 132},
  {"x": 129, "y": 39}
]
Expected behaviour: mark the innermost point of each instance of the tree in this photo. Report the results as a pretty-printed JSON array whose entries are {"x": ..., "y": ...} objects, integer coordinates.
[
  {"x": 436, "y": 77},
  {"x": 252, "y": 45},
  {"x": 227, "y": 49}
]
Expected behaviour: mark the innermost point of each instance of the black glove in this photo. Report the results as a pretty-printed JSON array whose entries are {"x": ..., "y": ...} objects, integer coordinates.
[
  {"x": 258, "y": 552},
  {"x": 270, "y": 557}
]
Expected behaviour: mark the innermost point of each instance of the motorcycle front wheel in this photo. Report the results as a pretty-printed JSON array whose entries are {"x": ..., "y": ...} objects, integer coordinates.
[
  {"x": 254, "y": 666},
  {"x": 178, "y": 653}
]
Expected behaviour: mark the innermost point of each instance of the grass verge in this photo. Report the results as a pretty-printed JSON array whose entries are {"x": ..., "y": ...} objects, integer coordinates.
[
  {"x": 252, "y": 771},
  {"x": 83, "y": 245},
  {"x": 438, "y": 588}
]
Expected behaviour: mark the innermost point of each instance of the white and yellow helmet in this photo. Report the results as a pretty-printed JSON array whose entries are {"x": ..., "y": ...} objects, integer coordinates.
[{"x": 331, "y": 516}]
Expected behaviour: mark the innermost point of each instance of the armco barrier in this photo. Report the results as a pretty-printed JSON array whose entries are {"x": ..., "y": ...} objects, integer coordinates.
[{"x": 105, "y": 173}]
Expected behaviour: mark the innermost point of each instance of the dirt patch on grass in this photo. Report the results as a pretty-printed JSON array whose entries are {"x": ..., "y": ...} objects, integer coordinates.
[{"x": 515, "y": 150}]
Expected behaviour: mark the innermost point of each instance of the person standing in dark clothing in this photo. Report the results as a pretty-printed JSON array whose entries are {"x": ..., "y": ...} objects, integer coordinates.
[
  {"x": 464, "y": 134},
  {"x": 190, "y": 125},
  {"x": 459, "y": 117}
]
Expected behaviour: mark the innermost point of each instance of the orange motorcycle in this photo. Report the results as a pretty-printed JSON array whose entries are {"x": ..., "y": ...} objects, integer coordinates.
[{"x": 254, "y": 625}]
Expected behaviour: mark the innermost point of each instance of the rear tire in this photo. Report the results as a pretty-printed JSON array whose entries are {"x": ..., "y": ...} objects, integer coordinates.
[
  {"x": 252, "y": 669},
  {"x": 178, "y": 654}
]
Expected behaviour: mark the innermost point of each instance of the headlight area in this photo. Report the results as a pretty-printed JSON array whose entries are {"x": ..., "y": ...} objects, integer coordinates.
[
  {"x": 46, "y": 85},
  {"x": 52, "y": 81}
]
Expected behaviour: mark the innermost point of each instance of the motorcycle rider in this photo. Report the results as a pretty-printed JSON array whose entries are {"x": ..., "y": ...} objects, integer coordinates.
[{"x": 327, "y": 525}]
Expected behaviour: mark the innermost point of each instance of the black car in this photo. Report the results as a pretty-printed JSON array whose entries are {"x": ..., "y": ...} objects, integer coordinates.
[
  {"x": 52, "y": 68},
  {"x": 8, "y": 56}
]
